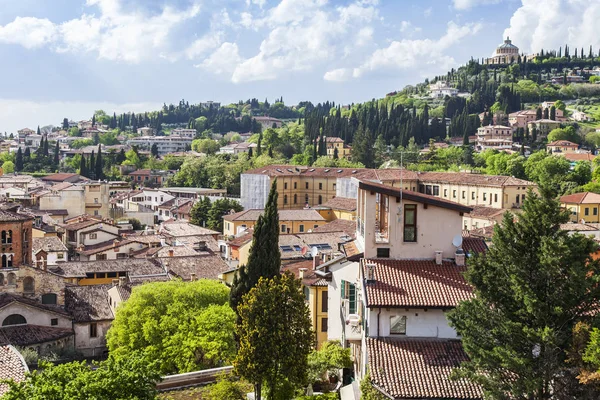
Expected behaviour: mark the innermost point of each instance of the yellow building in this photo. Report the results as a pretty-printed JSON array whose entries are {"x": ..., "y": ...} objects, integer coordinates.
[
  {"x": 338, "y": 208},
  {"x": 562, "y": 147},
  {"x": 336, "y": 145},
  {"x": 582, "y": 206},
  {"x": 290, "y": 221}
]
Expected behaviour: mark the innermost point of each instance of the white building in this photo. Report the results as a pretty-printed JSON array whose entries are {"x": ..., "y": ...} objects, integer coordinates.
[
  {"x": 48, "y": 251},
  {"x": 165, "y": 144},
  {"x": 580, "y": 116},
  {"x": 188, "y": 133},
  {"x": 148, "y": 198},
  {"x": 237, "y": 148},
  {"x": 495, "y": 137},
  {"x": 441, "y": 89}
]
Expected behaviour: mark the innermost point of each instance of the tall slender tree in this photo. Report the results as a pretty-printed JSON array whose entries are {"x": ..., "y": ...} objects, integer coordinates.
[
  {"x": 91, "y": 165},
  {"x": 99, "y": 174},
  {"x": 56, "y": 159},
  {"x": 45, "y": 150},
  {"x": 19, "y": 160},
  {"x": 83, "y": 166}
]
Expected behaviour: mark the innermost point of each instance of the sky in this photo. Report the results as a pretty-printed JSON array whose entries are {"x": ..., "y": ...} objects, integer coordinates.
[{"x": 67, "y": 58}]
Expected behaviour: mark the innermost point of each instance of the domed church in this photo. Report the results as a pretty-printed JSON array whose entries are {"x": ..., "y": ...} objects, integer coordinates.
[{"x": 506, "y": 53}]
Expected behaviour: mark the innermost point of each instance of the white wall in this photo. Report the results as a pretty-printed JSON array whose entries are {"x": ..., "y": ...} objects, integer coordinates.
[
  {"x": 254, "y": 190},
  {"x": 87, "y": 345},
  {"x": 35, "y": 316},
  {"x": 347, "y": 271},
  {"x": 419, "y": 323}
]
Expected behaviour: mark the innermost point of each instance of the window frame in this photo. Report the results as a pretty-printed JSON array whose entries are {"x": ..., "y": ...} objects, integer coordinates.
[
  {"x": 413, "y": 225},
  {"x": 403, "y": 319},
  {"x": 93, "y": 330}
]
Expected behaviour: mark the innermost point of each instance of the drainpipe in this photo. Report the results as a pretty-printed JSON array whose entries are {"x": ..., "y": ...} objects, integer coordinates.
[{"x": 378, "y": 314}]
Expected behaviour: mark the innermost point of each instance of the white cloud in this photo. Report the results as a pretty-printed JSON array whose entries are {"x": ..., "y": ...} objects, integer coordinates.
[
  {"x": 408, "y": 28},
  {"x": 203, "y": 45},
  {"x": 426, "y": 54},
  {"x": 556, "y": 23},
  {"x": 466, "y": 4},
  {"x": 306, "y": 33},
  {"x": 223, "y": 61},
  {"x": 28, "y": 32},
  {"x": 115, "y": 34},
  {"x": 260, "y": 3}
]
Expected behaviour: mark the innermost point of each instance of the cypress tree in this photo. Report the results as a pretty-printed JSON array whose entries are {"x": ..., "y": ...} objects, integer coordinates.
[
  {"x": 38, "y": 130},
  {"x": 264, "y": 260},
  {"x": 45, "y": 150},
  {"x": 26, "y": 155},
  {"x": 56, "y": 154},
  {"x": 98, "y": 167},
  {"x": 553, "y": 113},
  {"x": 92, "y": 165},
  {"x": 538, "y": 113},
  {"x": 19, "y": 160},
  {"x": 82, "y": 167}
]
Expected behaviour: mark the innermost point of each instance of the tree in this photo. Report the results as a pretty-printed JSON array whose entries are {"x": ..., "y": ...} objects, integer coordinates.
[
  {"x": 19, "y": 160},
  {"x": 45, "y": 150},
  {"x": 553, "y": 113},
  {"x": 8, "y": 167},
  {"x": 99, "y": 174},
  {"x": 560, "y": 105},
  {"x": 83, "y": 171},
  {"x": 199, "y": 212},
  {"x": 206, "y": 146},
  {"x": 27, "y": 155},
  {"x": 264, "y": 260},
  {"x": 275, "y": 337},
  {"x": 367, "y": 391},
  {"x": 154, "y": 150},
  {"x": 538, "y": 113},
  {"x": 91, "y": 167},
  {"x": 126, "y": 378},
  {"x": 226, "y": 389},
  {"x": 183, "y": 326},
  {"x": 518, "y": 327},
  {"x": 567, "y": 133},
  {"x": 56, "y": 159},
  {"x": 328, "y": 360},
  {"x": 218, "y": 209},
  {"x": 38, "y": 131}
]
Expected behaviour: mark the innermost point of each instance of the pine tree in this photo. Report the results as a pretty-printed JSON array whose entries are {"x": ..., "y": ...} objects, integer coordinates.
[
  {"x": 518, "y": 328},
  {"x": 199, "y": 212},
  {"x": 56, "y": 160},
  {"x": 94, "y": 120},
  {"x": 99, "y": 174},
  {"x": 264, "y": 260},
  {"x": 546, "y": 113},
  {"x": 250, "y": 152},
  {"x": 259, "y": 145},
  {"x": 38, "y": 130},
  {"x": 19, "y": 160}
]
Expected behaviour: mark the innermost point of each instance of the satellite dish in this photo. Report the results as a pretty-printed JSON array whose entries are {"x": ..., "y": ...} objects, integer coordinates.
[
  {"x": 314, "y": 252},
  {"x": 457, "y": 241},
  {"x": 304, "y": 250}
]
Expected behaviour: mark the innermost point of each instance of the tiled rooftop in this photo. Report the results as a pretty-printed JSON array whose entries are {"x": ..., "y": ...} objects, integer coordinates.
[
  {"x": 341, "y": 203},
  {"x": 48, "y": 244},
  {"x": 284, "y": 215},
  {"x": 12, "y": 366},
  {"x": 407, "y": 368},
  {"x": 88, "y": 303},
  {"x": 416, "y": 283},
  {"x": 26, "y": 335},
  {"x": 581, "y": 198},
  {"x": 338, "y": 225}
]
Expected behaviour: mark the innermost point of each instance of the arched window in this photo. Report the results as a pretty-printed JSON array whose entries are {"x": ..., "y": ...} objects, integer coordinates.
[
  {"x": 28, "y": 284},
  {"x": 14, "y": 319},
  {"x": 3, "y": 237},
  {"x": 306, "y": 198},
  {"x": 4, "y": 260},
  {"x": 12, "y": 278},
  {"x": 9, "y": 262},
  {"x": 9, "y": 237},
  {"x": 49, "y": 298}
]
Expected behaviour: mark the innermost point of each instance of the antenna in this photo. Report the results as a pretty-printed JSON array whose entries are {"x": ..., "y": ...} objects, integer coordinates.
[{"x": 457, "y": 241}]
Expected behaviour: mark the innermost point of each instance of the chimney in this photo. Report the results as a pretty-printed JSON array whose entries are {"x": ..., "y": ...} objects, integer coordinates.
[
  {"x": 193, "y": 277},
  {"x": 438, "y": 257},
  {"x": 115, "y": 243},
  {"x": 370, "y": 273},
  {"x": 122, "y": 281},
  {"x": 115, "y": 282},
  {"x": 459, "y": 258},
  {"x": 302, "y": 271},
  {"x": 171, "y": 252}
]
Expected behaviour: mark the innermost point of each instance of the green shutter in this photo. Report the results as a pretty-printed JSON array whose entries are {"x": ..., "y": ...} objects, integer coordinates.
[
  {"x": 343, "y": 289},
  {"x": 352, "y": 299}
]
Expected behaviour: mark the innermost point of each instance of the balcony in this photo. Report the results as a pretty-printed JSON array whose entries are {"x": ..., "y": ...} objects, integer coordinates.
[{"x": 352, "y": 323}]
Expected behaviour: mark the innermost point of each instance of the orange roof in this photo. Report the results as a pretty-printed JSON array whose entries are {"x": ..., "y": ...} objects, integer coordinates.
[
  {"x": 579, "y": 156},
  {"x": 563, "y": 143},
  {"x": 581, "y": 198}
]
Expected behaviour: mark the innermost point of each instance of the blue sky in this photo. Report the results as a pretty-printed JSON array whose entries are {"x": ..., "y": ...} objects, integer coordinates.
[{"x": 65, "y": 58}]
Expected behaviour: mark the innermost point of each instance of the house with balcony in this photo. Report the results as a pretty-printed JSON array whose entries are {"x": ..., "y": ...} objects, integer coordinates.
[
  {"x": 561, "y": 147},
  {"x": 496, "y": 137},
  {"x": 389, "y": 296}
]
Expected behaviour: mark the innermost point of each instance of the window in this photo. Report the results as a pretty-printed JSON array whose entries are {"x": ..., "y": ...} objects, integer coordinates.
[
  {"x": 410, "y": 223},
  {"x": 295, "y": 199},
  {"x": 454, "y": 194},
  {"x": 95, "y": 200},
  {"x": 283, "y": 228},
  {"x": 285, "y": 199},
  {"x": 383, "y": 252},
  {"x": 306, "y": 198},
  {"x": 54, "y": 321},
  {"x": 484, "y": 196},
  {"x": 295, "y": 185},
  {"x": 28, "y": 285},
  {"x": 436, "y": 190},
  {"x": 320, "y": 199},
  {"x": 60, "y": 256},
  {"x": 398, "y": 325},
  {"x": 93, "y": 236},
  {"x": 320, "y": 186},
  {"x": 306, "y": 184},
  {"x": 586, "y": 211},
  {"x": 301, "y": 228},
  {"x": 323, "y": 324},
  {"x": 464, "y": 196},
  {"x": 14, "y": 319},
  {"x": 472, "y": 195},
  {"x": 285, "y": 185},
  {"x": 49, "y": 298},
  {"x": 445, "y": 192},
  {"x": 93, "y": 330},
  {"x": 349, "y": 293},
  {"x": 121, "y": 256},
  {"x": 496, "y": 198},
  {"x": 595, "y": 210},
  {"x": 100, "y": 257},
  {"x": 96, "y": 212},
  {"x": 324, "y": 304}
]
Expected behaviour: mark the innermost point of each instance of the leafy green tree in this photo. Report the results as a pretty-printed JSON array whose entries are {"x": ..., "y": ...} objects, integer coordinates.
[
  {"x": 264, "y": 260},
  {"x": 567, "y": 133},
  {"x": 19, "y": 160},
  {"x": 518, "y": 327},
  {"x": 183, "y": 326},
  {"x": 199, "y": 212},
  {"x": 79, "y": 143},
  {"x": 275, "y": 337},
  {"x": 368, "y": 392},
  {"x": 74, "y": 131},
  {"x": 328, "y": 360},
  {"x": 220, "y": 208},
  {"x": 206, "y": 146},
  {"x": 226, "y": 389},
  {"x": 8, "y": 167},
  {"x": 546, "y": 170},
  {"x": 126, "y": 378},
  {"x": 560, "y": 105}
]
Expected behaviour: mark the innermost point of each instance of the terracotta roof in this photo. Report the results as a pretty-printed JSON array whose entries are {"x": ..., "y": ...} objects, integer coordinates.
[
  {"x": 310, "y": 277},
  {"x": 61, "y": 186},
  {"x": 466, "y": 178},
  {"x": 104, "y": 246},
  {"x": 405, "y": 368},
  {"x": 204, "y": 266},
  {"x": 341, "y": 203},
  {"x": 242, "y": 239},
  {"x": 386, "y": 175},
  {"x": 291, "y": 245},
  {"x": 48, "y": 244},
  {"x": 301, "y": 170},
  {"x": 25, "y": 335},
  {"x": 472, "y": 245},
  {"x": 414, "y": 196},
  {"x": 573, "y": 157},
  {"x": 12, "y": 366},
  {"x": 8, "y": 216},
  {"x": 572, "y": 226},
  {"x": 88, "y": 303},
  {"x": 486, "y": 232},
  {"x": 351, "y": 250},
  {"x": 581, "y": 198},
  {"x": 9, "y": 298},
  {"x": 486, "y": 212},
  {"x": 338, "y": 225},
  {"x": 183, "y": 228},
  {"x": 562, "y": 143},
  {"x": 284, "y": 215},
  {"x": 60, "y": 177},
  {"x": 133, "y": 267},
  {"x": 416, "y": 283}
]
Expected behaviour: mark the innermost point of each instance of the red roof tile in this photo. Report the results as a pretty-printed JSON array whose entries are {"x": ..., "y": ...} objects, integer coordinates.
[
  {"x": 418, "y": 369},
  {"x": 416, "y": 283},
  {"x": 341, "y": 203},
  {"x": 474, "y": 245},
  {"x": 581, "y": 198}
]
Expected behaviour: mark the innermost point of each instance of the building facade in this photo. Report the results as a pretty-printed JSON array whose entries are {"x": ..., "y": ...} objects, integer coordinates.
[{"x": 496, "y": 137}]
